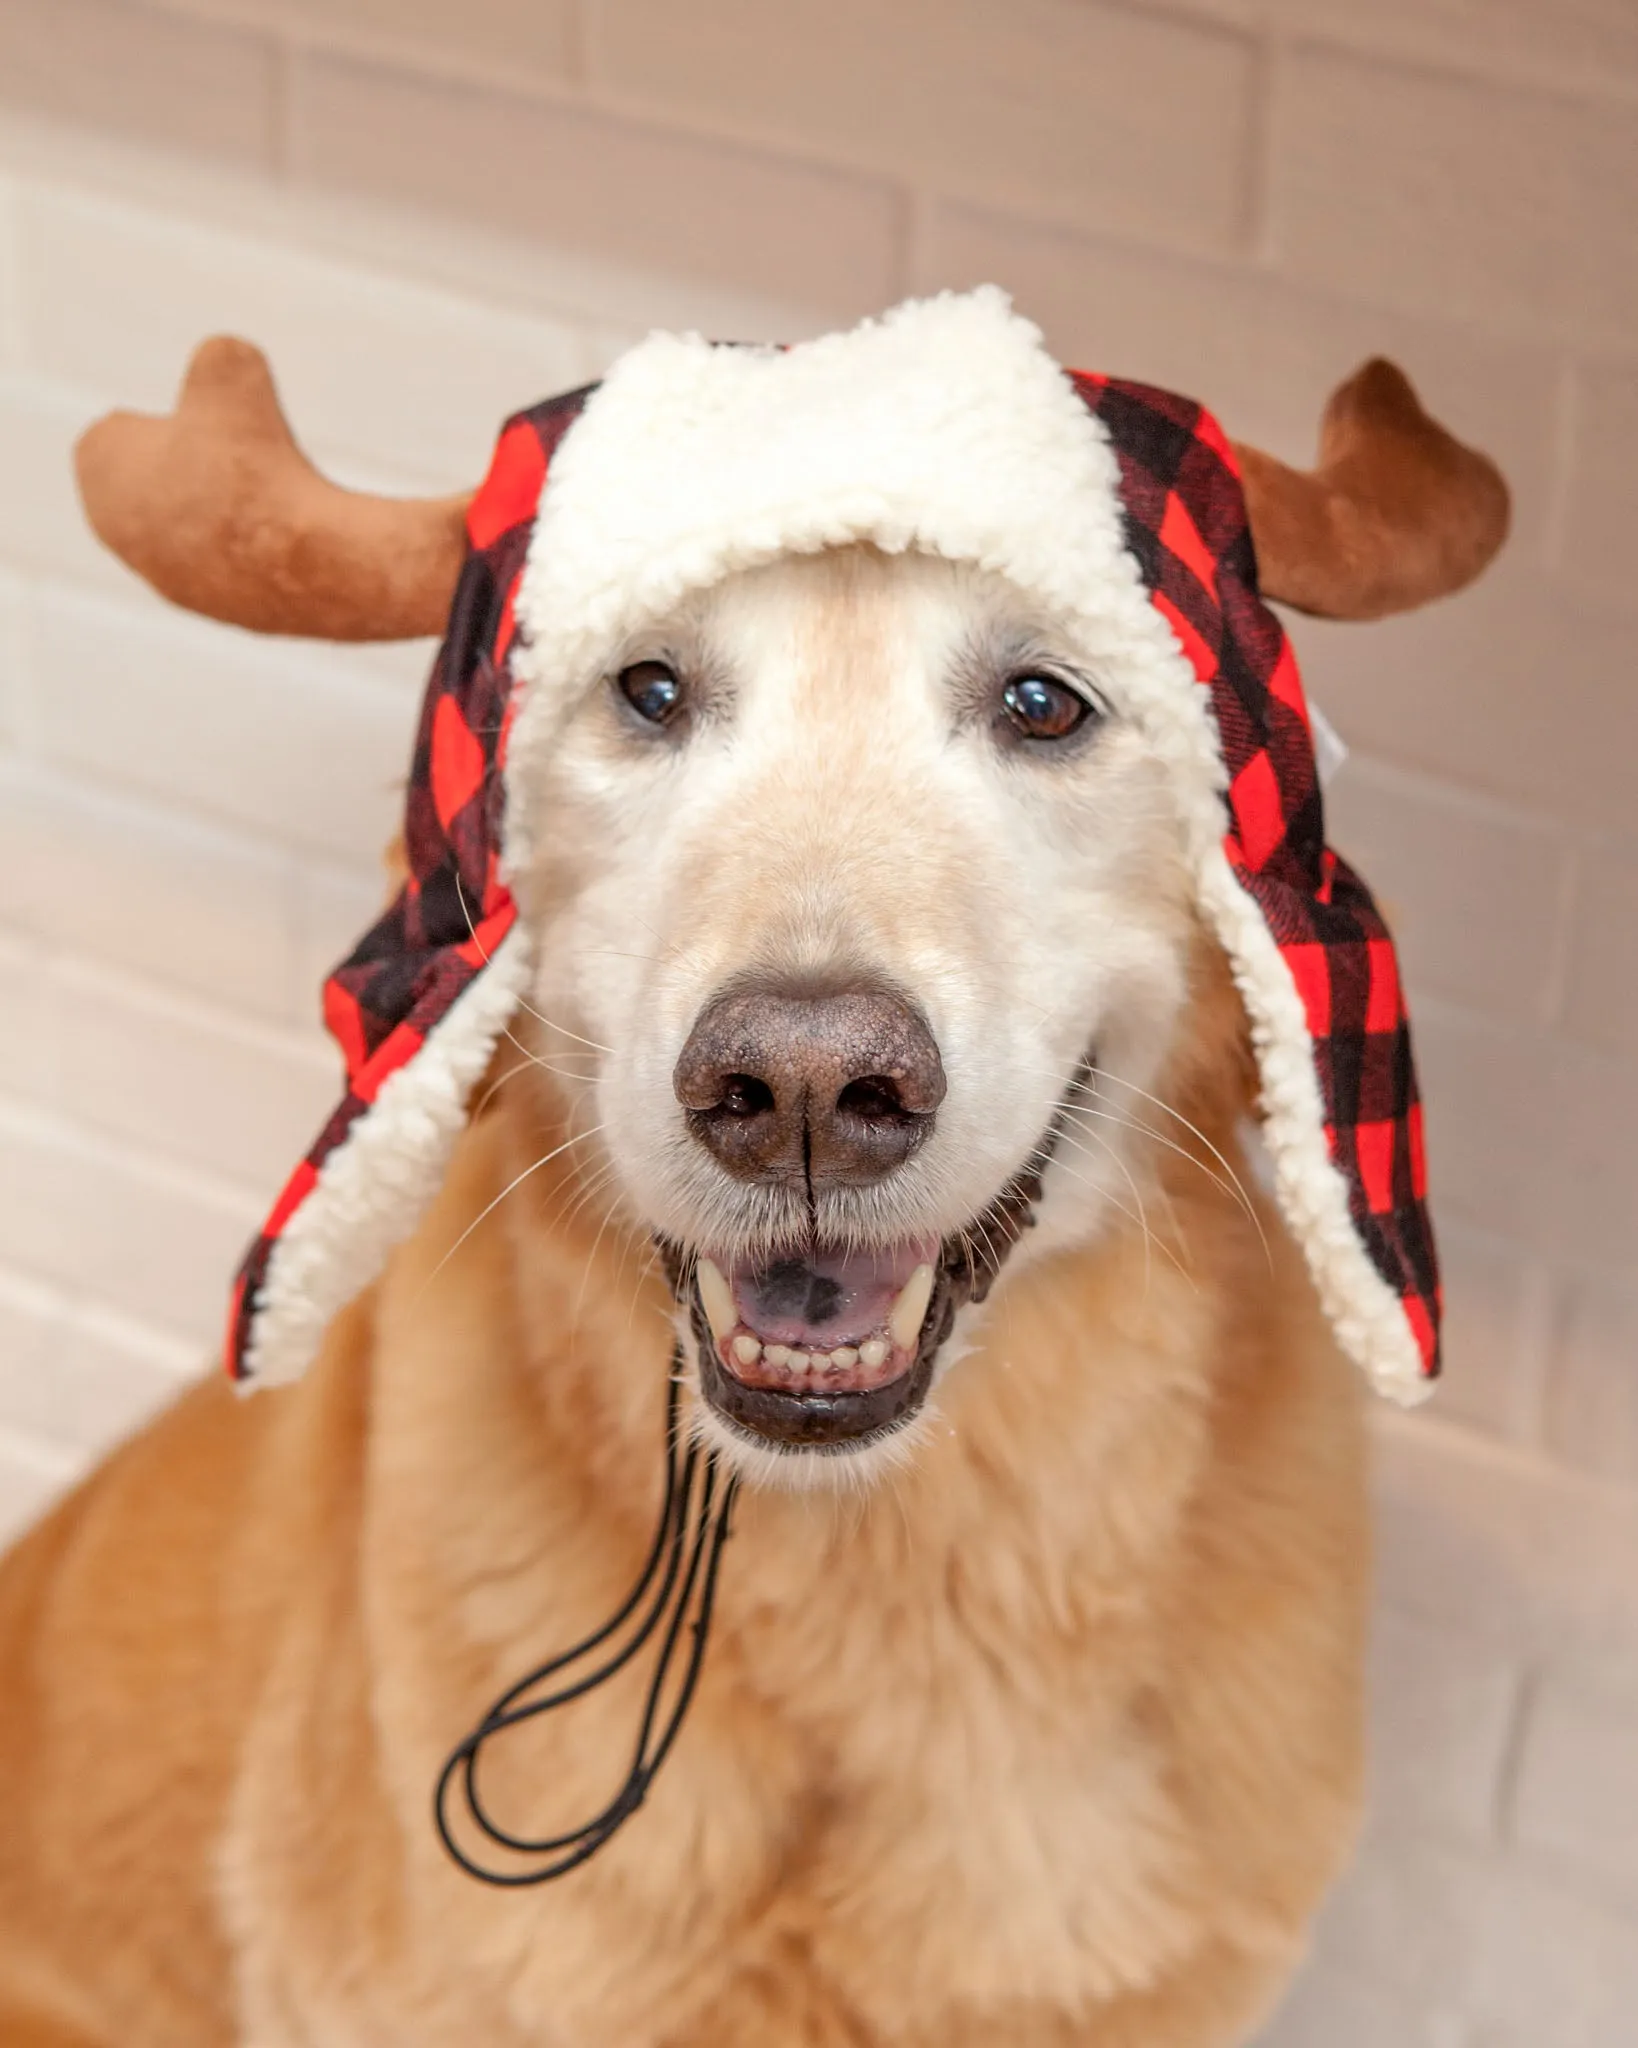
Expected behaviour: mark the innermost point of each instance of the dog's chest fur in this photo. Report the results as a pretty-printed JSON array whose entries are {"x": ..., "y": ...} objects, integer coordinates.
[
  {"x": 926, "y": 1827},
  {"x": 947, "y": 1779}
]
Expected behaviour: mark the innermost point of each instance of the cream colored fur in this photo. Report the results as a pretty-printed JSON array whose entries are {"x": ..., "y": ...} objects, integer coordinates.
[{"x": 1044, "y": 1730}]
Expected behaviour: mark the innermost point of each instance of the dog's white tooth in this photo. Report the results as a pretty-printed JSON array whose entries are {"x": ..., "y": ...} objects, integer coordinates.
[
  {"x": 777, "y": 1354},
  {"x": 798, "y": 1361},
  {"x": 873, "y": 1352},
  {"x": 747, "y": 1349},
  {"x": 718, "y": 1299},
  {"x": 844, "y": 1357},
  {"x": 910, "y": 1310}
]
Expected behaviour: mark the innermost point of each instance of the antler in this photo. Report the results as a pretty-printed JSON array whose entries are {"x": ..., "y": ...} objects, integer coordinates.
[
  {"x": 219, "y": 509},
  {"x": 222, "y": 513},
  {"x": 1397, "y": 513}
]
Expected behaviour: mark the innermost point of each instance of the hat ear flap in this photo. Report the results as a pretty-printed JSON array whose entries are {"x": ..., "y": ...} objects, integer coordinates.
[
  {"x": 420, "y": 1005},
  {"x": 1340, "y": 1112},
  {"x": 1310, "y": 954}
]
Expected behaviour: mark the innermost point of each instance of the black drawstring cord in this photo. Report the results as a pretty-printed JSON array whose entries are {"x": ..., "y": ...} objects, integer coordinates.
[{"x": 693, "y": 1526}]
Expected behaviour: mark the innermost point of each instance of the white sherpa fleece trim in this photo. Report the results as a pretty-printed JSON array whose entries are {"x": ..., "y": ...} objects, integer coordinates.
[
  {"x": 1364, "y": 1312},
  {"x": 373, "y": 1188},
  {"x": 946, "y": 426}
]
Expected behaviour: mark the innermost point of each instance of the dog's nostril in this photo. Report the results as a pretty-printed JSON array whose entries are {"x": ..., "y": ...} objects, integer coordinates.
[
  {"x": 745, "y": 1095},
  {"x": 874, "y": 1099}
]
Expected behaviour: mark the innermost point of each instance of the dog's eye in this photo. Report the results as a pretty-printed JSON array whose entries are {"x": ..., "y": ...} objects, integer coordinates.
[
  {"x": 1042, "y": 708},
  {"x": 653, "y": 691}
]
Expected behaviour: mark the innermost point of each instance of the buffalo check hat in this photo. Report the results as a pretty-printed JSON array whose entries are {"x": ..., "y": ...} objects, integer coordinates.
[{"x": 944, "y": 426}]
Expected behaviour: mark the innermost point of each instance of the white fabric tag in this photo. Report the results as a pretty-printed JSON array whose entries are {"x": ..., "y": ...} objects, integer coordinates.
[{"x": 1330, "y": 748}]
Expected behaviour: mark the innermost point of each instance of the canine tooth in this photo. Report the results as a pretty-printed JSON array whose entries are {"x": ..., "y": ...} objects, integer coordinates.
[
  {"x": 873, "y": 1352},
  {"x": 843, "y": 1357},
  {"x": 798, "y": 1361},
  {"x": 747, "y": 1349},
  {"x": 718, "y": 1299},
  {"x": 910, "y": 1310},
  {"x": 777, "y": 1354}
]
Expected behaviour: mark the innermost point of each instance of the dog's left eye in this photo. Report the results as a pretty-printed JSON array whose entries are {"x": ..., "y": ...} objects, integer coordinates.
[
  {"x": 1042, "y": 708},
  {"x": 653, "y": 691}
]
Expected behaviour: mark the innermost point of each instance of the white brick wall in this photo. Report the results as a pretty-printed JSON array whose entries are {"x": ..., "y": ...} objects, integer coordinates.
[{"x": 433, "y": 212}]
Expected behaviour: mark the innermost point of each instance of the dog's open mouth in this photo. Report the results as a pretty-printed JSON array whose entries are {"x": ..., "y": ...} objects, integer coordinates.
[
  {"x": 820, "y": 1347},
  {"x": 827, "y": 1349}
]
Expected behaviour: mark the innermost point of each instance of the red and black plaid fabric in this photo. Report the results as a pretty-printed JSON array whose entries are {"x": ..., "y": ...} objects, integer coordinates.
[
  {"x": 454, "y": 910},
  {"x": 1186, "y": 522}
]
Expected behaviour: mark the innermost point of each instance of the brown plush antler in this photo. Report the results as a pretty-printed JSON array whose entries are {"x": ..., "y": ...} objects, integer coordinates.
[
  {"x": 1398, "y": 512},
  {"x": 218, "y": 508},
  {"x": 222, "y": 513}
]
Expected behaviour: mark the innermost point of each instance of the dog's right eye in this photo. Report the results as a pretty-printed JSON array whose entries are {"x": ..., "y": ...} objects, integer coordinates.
[
  {"x": 1040, "y": 707},
  {"x": 653, "y": 691}
]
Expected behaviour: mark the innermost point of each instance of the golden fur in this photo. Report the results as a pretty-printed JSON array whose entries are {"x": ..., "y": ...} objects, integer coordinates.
[
  {"x": 1048, "y": 1734},
  {"x": 1055, "y": 1739}
]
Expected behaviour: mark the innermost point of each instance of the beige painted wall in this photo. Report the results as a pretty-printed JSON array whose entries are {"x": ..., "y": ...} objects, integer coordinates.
[{"x": 433, "y": 212}]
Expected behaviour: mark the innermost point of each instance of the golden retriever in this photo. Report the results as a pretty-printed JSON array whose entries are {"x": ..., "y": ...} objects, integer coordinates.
[{"x": 878, "y": 1066}]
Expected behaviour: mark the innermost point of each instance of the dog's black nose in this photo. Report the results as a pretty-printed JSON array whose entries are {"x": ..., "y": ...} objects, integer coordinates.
[{"x": 833, "y": 1089}]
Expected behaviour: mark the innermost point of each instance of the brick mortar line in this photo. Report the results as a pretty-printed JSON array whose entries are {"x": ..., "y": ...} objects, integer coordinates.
[
  {"x": 296, "y": 855},
  {"x": 454, "y": 254},
  {"x": 55, "y": 1306},
  {"x": 1469, "y": 801},
  {"x": 68, "y": 1133},
  {"x": 298, "y": 858},
  {"x": 1601, "y": 349},
  {"x": 1360, "y": 38},
  {"x": 1510, "y": 1763},
  {"x": 1464, "y": 1016},
  {"x": 1515, "y": 77},
  {"x": 274, "y": 1038},
  {"x": 1498, "y": 1455},
  {"x": 39, "y": 1455},
  {"x": 404, "y": 61},
  {"x": 920, "y": 191}
]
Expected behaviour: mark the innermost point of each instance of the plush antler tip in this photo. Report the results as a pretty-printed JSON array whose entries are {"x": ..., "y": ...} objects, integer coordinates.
[
  {"x": 228, "y": 387},
  {"x": 220, "y": 355},
  {"x": 1397, "y": 512},
  {"x": 1377, "y": 394},
  {"x": 219, "y": 509}
]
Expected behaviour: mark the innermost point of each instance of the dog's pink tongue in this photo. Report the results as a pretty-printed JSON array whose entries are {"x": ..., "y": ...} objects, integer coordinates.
[{"x": 819, "y": 1301}]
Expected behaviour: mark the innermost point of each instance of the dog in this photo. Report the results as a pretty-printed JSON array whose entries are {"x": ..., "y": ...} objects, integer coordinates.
[{"x": 875, "y": 1088}]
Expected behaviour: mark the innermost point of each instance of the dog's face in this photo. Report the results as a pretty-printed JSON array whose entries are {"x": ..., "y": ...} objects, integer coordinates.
[{"x": 862, "y": 912}]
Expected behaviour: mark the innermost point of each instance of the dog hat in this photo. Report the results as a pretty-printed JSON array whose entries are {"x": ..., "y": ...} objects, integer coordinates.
[{"x": 946, "y": 427}]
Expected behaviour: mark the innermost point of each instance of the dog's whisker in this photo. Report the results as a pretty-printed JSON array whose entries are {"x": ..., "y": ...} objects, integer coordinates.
[
  {"x": 1108, "y": 1074},
  {"x": 1225, "y": 1186},
  {"x": 1232, "y": 1184},
  {"x": 1228, "y": 1186},
  {"x": 522, "y": 1002},
  {"x": 551, "y": 1024},
  {"x": 586, "y": 1269},
  {"x": 586, "y": 1192},
  {"x": 536, "y": 1060},
  {"x": 517, "y": 1181},
  {"x": 586, "y": 1189},
  {"x": 1141, "y": 1218},
  {"x": 675, "y": 951},
  {"x": 633, "y": 1239},
  {"x": 494, "y": 1088},
  {"x": 996, "y": 1259}
]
